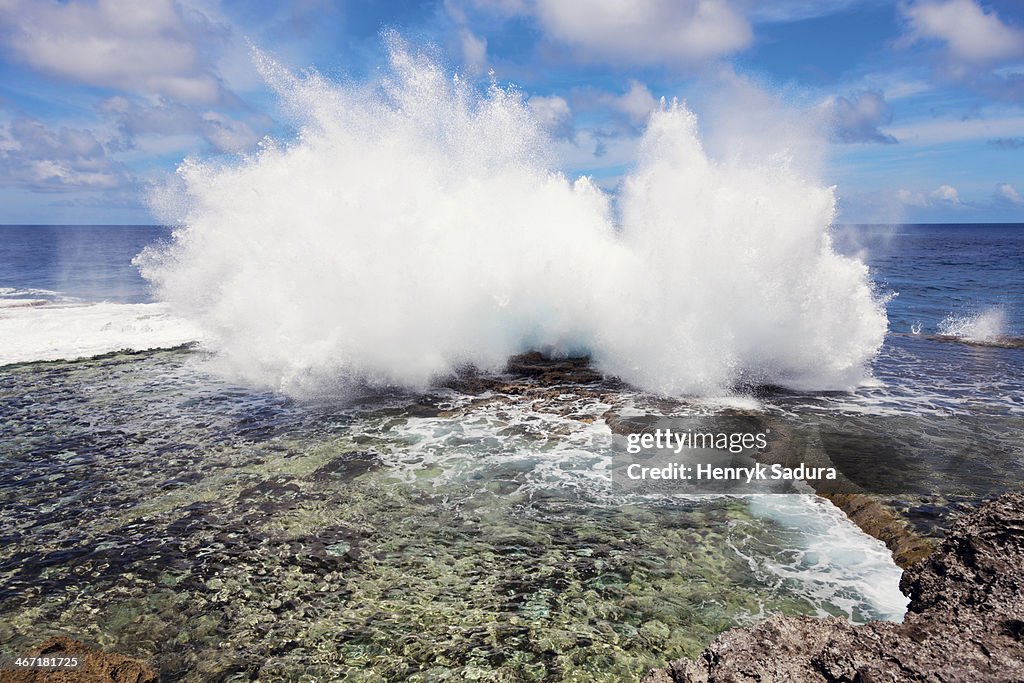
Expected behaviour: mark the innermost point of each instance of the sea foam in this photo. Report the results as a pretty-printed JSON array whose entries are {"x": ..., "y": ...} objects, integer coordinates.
[
  {"x": 416, "y": 225},
  {"x": 38, "y": 329}
]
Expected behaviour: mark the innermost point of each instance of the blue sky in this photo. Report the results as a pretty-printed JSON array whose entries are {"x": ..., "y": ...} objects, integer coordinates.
[{"x": 919, "y": 104}]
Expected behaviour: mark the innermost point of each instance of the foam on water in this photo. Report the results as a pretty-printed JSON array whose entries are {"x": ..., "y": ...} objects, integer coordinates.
[
  {"x": 36, "y": 329},
  {"x": 832, "y": 559},
  {"x": 418, "y": 226},
  {"x": 14, "y": 293}
]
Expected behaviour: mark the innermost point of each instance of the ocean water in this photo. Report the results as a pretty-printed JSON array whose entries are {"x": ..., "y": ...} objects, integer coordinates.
[
  {"x": 80, "y": 263},
  {"x": 945, "y": 274},
  {"x": 72, "y": 291},
  {"x": 155, "y": 501},
  {"x": 957, "y": 290}
]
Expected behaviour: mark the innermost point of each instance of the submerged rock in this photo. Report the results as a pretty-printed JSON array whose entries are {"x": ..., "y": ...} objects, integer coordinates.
[
  {"x": 95, "y": 666},
  {"x": 1000, "y": 342},
  {"x": 965, "y": 622}
]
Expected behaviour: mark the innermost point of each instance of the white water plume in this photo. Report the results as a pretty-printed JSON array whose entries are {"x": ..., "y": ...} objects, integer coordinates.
[
  {"x": 418, "y": 226},
  {"x": 987, "y": 326}
]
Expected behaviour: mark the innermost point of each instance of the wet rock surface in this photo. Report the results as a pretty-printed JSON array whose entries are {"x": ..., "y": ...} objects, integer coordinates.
[
  {"x": 965, "y": 622},
  {"x": 576, "y": 370},
  {"x": 96, "y": 666}
]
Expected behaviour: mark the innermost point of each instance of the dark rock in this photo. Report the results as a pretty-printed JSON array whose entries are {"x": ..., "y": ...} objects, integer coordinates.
[
  {"x": 96, "y": 666},
  {"x": 964, "y": 623},
  {"x": 348, "y": 466},
  {"x": 422, "y": 410},
  {"x": 1002, "y": 342},
  {"x": 574, "y": 370}
]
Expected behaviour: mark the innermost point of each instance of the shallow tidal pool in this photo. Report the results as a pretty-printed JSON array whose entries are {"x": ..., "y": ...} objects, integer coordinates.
[{"x": 227, "y": 534}]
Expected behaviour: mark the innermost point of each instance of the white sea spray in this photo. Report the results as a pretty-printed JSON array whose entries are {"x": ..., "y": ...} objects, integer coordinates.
[{"x": 418, "y": 226}]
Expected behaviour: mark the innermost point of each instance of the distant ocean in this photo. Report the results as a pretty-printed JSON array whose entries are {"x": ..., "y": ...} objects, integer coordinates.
[{"x": 153, "y": 501}]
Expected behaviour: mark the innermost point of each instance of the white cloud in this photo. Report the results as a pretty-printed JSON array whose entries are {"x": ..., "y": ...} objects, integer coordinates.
[
  {"x": 474, "y": 51},
  {"x": 795, "y": 10},
  {"x": 153, "y": 47},
  {"x": 970, "y": 33},
  {"x": 591, "y": 152},
  {"x": 944, "y": 195},
  {"x": 180, "y": 123},
  {"x": 955, "y": 130},
  {"x": 552, "y": 112},
  {"x": 1007, "y": 143},
  {"x": 858, "y": 119},
  {"x": 1008, "y": 193},
  {"x": 912, "y": 198},
  {"x": 228, "y": 134},
  {"x": 44, "y": 159},
  {"x": 975, "y": 44},
  {"x": 160, "y": 117},
  {"x": 504, "y": 7},
  {"x": 675, "y": 32},
  {"x": 632, "y": 107},
  {"x": 903, "y": 89},
  {"x": 637, "y": 103}
]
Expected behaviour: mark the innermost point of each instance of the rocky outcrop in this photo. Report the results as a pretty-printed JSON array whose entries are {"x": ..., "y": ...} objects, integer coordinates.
[
  {"x": 965, "y": 622},
  {"x": 95, "y": 666}
]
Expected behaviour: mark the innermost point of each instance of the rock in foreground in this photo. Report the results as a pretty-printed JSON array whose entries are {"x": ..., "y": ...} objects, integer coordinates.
[{"x": 965, "y": 622}]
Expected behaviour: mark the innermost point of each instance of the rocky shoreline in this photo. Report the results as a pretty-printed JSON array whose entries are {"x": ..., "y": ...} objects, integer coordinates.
[
  {"x": 965, "y": 622},
  {"x": 1001, "y": 342}
]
